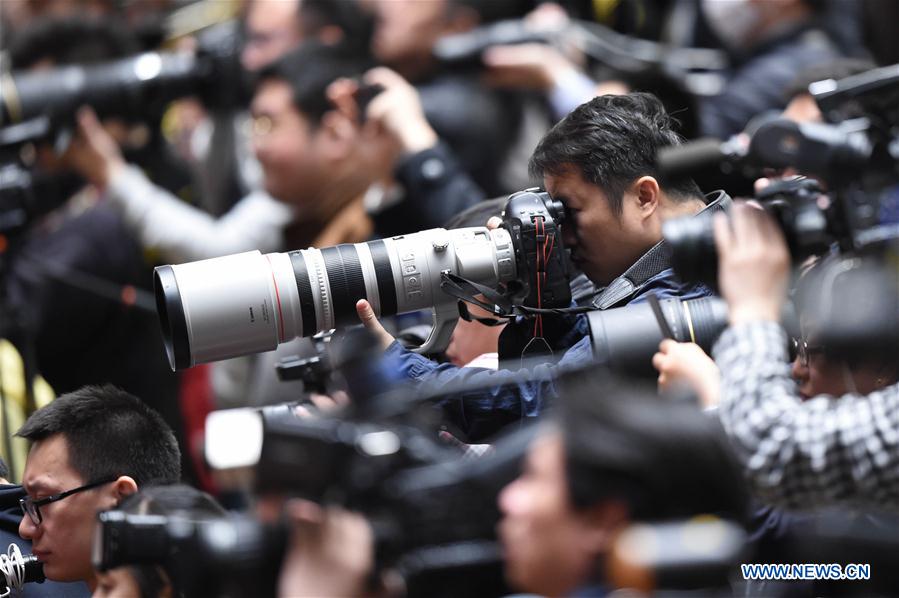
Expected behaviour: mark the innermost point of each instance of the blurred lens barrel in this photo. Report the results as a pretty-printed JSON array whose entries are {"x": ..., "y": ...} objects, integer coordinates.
[
  {"x": 626, "y": 338},
  {"x": 248, "y": 303}
]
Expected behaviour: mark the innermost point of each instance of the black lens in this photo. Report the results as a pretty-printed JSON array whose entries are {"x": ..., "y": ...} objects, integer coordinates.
[
  {"x": 171, "y": 316},
  {"x": 693, "y": 253},
  {"x": 346, "y": 280},
  {"x": 626, "y": 338}
]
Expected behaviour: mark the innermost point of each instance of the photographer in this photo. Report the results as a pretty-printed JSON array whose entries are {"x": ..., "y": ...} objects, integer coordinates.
[
  {"x": 90, "y": 449},
  {"x": 148, "y": 581},
  {"x": 603, "y": 464},
  {"x": 822, "y": 451},
  {"x": 600, "y": 163}
]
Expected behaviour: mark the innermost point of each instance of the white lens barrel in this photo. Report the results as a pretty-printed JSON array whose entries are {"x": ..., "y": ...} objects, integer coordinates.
[
  {"x": 230, "y": 306},
  {"x": 249, "y": 303}
]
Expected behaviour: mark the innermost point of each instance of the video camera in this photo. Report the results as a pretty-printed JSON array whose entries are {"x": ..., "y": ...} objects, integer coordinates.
[{"x": 248, "y": 303}]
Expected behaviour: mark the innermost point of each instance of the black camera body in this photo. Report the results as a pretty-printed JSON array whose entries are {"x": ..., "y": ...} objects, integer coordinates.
[
  {"x": 433, "y": 513},
  {"x": 226, "y": 556},
  {"x": 534, "y": 222},
  {"x": 809, "y": 221}
]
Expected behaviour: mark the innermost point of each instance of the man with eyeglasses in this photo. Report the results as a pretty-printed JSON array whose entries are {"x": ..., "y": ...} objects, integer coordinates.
[{"x": 90, "y": 449}]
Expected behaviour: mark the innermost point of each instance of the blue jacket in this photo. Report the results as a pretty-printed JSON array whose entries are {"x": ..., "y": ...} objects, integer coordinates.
[{"x": 505, "y": 396}]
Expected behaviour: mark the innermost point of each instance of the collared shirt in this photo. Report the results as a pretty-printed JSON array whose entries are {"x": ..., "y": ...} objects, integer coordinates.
[{"x": 802, "y": 454}]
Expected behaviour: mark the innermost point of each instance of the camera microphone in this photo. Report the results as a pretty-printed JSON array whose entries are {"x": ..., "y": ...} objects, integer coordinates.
[{"x": 19, "y": 569}]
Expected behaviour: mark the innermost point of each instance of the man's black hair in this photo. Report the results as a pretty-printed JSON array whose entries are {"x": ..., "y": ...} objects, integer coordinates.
[
  {"x": 109, "y": 433},
  {"x": 495, "y": 10},
  {"x": 664, "y": 460},
  {"x": 309, "y": 70},
  {"x": 356, "y": 24},
  {"x": 612, "y": 140},
  {"x": 4, "y": 469},
  {"x": 71, "y": 40}
]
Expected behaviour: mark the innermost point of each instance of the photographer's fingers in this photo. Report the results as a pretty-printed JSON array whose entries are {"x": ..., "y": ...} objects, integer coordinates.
[
  {"x": 370, "y": 321},
  {"x": 494, "y": 223},
  {"x": 658, "y": 362}
]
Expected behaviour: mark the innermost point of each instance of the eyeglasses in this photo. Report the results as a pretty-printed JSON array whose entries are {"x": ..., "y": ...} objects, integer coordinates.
[
  {"x": 32, "y": 507},
  {"x": 803, "y": 350}
]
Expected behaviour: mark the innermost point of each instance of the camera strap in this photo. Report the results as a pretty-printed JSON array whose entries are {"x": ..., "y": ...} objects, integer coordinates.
[
  {"x": 465, "y": 290},
  {"x": 497, "y": 303}
]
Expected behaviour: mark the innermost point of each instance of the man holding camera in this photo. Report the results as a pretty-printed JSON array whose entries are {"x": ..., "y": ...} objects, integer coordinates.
[
  {"x": 601, "y": 465},
  {"x": 90, "y": 449},
  {"x": 599, "y": 162}
]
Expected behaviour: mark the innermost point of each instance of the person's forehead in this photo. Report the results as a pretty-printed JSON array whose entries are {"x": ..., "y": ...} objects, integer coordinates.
[
  {"x": 272, "y": 15},
  {"x": 273, "y": 94},
  {"x": 569, "y": 183},
  {"x": 47, "y": 467}
]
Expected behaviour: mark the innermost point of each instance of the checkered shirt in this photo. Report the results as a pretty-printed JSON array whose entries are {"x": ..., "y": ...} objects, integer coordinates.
[{"x": 802, "y": 454}]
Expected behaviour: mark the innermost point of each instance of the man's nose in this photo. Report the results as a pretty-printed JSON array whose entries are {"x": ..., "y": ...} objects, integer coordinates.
[
  {"x": 27, "y": 528},
  {"x": 799, "y": 370}
]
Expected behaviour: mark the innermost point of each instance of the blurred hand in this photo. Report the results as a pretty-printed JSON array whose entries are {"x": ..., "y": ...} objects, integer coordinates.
[
  {"x": 330, "y": 552},
  {"x": 93, "y": 153},
  {"x": 686, "y": 364},
  {"x": 323, "y": 404},
  {"x": 370, "y": 321},
  {"x": 753, "y": 264},
  {"x": 524, "y": 66},
  {"x": 397, "y": 112}
]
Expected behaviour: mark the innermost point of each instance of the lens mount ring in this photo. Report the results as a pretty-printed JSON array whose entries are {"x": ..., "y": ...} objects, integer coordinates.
[{"x": 324, "y": 291}]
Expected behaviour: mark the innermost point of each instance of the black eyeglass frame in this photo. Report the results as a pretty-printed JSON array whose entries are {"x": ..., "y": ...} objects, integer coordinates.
[
  {"x": 28, "y": 504},
  {"x": 803, "y": 350}
]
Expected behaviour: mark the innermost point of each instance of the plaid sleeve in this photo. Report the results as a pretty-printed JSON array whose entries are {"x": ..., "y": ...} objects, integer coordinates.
[{"x": 801, "y": 454}]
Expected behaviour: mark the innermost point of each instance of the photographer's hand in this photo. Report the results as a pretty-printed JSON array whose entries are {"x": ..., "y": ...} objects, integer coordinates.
[
  {"x": 398, "y": 111},
  {"x": 331, "y": 552},
  {"x": 687, "y": 364},
  {"x": 93, "y": 153},
  {"x": 753, "y": 266},
  {"x": 370, "y": 321}
]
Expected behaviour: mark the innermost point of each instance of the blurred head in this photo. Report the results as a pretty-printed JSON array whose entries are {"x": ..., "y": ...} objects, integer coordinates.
[
  {"x": 600, "y": 162},
  {"x": 304, "y": 145},
  {"x": 817, "y": 368},
  {"x": 146, "y": 581},
  {"x": 272, "y": 29},
  {"x": 57, "y": 41},
  {"x": 603, "y": 464},
  {"x": 405, "y": 31},
  {"x": 101, "y": 437},
  {"x": 740, "y": 24}
]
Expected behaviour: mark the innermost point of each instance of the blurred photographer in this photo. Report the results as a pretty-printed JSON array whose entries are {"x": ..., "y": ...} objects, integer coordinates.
[
  {"x": 831, "y": 448},
  {"x": 599, "y": 162},
  {"x": 603, "y": 464},
  {"x": 148, "y": 581}
]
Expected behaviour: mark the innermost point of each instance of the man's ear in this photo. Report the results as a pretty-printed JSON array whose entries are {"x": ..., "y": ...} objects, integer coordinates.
[
  {"x": 124, "y": 486},
  {"x": 647, "y": 191},
  {"x": 602, "y": 522}
]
